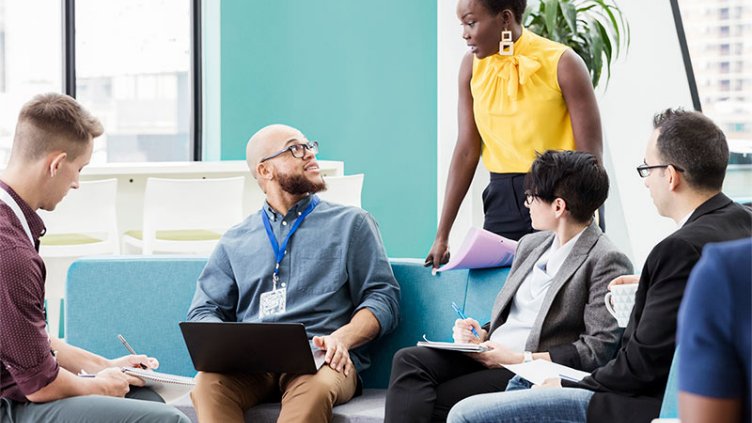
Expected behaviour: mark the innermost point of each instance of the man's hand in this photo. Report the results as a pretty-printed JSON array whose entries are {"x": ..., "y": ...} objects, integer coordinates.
[
  {"x": 114, "y": 383},
  {"x": 134, "y": 361},
  {"x": 496, "y": 355},
  {"x": 463, "y": 331},
  {"x": 337, "y": 354},
  {"x": 624, "y": 280},
  {"x": 438, "y": 255},
  {"x": 549, "y": 383}
]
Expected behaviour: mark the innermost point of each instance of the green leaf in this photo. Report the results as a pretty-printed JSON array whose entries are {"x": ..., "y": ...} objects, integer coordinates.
[
  {"x": 570, "y": 15},
  {"x": 551, "y": 10}
]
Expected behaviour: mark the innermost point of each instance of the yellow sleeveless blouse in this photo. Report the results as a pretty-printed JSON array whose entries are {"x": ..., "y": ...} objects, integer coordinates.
[{"x": 518, "y": 105}]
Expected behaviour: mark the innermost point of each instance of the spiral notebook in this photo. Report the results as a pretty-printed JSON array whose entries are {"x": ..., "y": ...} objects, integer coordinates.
[{"x": 169, "y": 387}]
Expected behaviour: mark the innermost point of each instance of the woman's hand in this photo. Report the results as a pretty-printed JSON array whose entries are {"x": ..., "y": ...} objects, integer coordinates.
[
  {"x": 497, "y": 355},
  {"x": 463, "y": 331},
  {"x": 438, "y": 255}
]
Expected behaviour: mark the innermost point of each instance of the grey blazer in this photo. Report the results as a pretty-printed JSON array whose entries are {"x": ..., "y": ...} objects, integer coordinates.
[{"x": 573, "y": 325}]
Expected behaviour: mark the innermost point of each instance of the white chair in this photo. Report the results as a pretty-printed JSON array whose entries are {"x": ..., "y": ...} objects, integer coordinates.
[
  {"x": 84, "y": 223},
  {"x": 345, "y": 190},
  {"x": 187, "y": 215}
]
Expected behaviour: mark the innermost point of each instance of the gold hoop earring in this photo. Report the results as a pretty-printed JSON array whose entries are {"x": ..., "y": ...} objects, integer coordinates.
[{"x": 506, "y": 45}]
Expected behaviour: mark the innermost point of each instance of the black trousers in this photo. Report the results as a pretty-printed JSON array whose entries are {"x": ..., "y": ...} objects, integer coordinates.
[
  {"x": 426, "y": 383},
  {"x": 504, "y": 206}
]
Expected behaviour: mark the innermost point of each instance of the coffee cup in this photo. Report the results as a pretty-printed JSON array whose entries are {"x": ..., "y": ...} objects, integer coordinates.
[{"x": 620, "y": 301}]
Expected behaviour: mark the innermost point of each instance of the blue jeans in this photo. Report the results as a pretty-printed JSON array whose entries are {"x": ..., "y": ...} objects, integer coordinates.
[{"x": 545, "y": 405}]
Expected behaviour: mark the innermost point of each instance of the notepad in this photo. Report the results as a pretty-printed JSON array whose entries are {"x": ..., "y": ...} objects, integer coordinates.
[
  {"x": 482, "y": 249},
  {"x": 452, "y": 346},
  {"x": 169, "y": 387},
  {"x": 537, "y": 371}
]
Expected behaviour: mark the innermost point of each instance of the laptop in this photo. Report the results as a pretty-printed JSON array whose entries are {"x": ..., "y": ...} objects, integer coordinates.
[{"x": 220, "y": 347}]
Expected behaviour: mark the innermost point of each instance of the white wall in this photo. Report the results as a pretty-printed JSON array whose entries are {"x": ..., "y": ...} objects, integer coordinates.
[{"x": 649, "y": 79}]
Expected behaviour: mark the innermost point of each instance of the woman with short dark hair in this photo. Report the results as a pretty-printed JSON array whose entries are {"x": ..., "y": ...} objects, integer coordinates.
[{"x": 551, "y": 306}]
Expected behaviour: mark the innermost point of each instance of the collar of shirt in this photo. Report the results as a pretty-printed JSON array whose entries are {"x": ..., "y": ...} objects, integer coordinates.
[
  {"x": 295, "y": 210},
  {"x": 557, "y": 254},
  {"x": 36, "y": 224},
  {"x": 683, "y": 221}
]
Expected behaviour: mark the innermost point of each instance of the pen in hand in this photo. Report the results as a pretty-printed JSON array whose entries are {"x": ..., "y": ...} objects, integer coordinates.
[
  {"x": 462, "y": 316},
  {"x": 130, "y": 349}
]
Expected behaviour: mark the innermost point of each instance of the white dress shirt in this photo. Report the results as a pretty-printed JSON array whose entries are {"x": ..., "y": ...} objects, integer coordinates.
[{"x": 529, "y": 297}]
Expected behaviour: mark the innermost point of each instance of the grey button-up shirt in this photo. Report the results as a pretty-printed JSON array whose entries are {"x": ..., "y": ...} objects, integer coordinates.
[{"x": 335, "y": 265}]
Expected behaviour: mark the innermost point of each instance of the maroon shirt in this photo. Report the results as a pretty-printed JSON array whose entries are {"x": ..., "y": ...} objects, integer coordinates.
[{"x": 26, "y": 363}]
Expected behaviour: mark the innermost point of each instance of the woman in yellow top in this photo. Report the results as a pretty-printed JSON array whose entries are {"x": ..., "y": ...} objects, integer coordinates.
[{"x": 519, "y": 94}]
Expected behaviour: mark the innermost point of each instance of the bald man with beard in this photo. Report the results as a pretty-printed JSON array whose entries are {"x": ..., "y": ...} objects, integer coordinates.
[{"x": 333, "y": 276}]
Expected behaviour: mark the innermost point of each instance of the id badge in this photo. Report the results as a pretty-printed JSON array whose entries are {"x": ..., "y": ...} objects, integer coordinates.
[{"x": 273, "y": 302}]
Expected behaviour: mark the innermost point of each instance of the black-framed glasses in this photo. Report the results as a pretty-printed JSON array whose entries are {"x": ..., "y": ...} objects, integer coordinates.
[
  {"x": 297, "y": 150},
  {"x": 644, "y": 170},
  {"x": 531, "y": 196}
]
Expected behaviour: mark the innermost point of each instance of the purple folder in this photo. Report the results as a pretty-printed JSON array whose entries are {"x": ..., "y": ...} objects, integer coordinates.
[{"x": 482, "y": 249}]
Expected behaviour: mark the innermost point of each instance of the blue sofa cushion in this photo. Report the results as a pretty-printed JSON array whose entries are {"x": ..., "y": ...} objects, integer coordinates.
[{"x": 144, "y": 299}]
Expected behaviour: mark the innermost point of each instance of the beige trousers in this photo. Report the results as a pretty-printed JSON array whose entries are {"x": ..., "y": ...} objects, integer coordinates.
[{"x": 305, "y": 398}]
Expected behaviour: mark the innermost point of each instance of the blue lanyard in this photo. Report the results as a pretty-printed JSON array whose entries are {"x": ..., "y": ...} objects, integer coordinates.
[{"x": 280, "y": 250}]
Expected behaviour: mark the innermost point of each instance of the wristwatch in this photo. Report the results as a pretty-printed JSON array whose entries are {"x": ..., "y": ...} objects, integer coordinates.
[{"x": 527, "y": 357}]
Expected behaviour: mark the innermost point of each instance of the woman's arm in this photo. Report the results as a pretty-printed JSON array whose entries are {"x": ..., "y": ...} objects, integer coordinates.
[
  {"x": 578, "y": 93},
  {"x": 462, "y": 168}
]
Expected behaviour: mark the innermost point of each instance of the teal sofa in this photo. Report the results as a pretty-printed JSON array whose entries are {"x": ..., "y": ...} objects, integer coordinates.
[{"x": 143, "y": 298}]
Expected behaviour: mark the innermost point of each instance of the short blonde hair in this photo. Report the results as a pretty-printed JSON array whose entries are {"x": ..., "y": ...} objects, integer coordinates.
[{"x": 53, "y": 121}]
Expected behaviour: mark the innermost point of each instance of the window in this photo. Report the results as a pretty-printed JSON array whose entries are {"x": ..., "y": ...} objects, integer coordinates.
[
  {"x": 726, "y": 96},
  {"x": 132, "y": 70},
  {"x": 132, "y": 64},
  {"x": 30, "y": 60}
]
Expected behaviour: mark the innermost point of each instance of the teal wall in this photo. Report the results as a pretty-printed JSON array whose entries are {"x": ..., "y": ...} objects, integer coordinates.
[{"x": 359, "y": 77}]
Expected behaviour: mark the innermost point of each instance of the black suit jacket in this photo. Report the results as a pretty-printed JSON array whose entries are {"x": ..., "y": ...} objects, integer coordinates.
[{"x": 630, "y": 387}]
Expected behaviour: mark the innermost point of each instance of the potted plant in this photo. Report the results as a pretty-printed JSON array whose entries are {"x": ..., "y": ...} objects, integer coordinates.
[{"x": 594, "y": 29}]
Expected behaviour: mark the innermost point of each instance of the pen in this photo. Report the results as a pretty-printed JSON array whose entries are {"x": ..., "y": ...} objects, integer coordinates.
[
  {"x": 462, "y": 316},
  {"x": 130, "y": 349}
]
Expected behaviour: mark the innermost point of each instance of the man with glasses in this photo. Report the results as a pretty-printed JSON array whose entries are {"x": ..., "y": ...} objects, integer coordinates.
[
  {"x": 298, "y": 260},
  {"x": 684, "y": 167}
]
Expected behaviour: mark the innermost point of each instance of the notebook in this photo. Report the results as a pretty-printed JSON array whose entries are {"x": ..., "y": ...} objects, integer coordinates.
[
  {"x": 482, "y": 249},
  {"x": 228, "y": 347},
  {"x": 452, "y": 346},
  {"x": 169, "y": 387},
  {"x": 537, "y": 371}
]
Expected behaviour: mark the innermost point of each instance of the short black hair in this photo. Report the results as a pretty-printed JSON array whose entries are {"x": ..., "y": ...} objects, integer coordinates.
[
  {"x": 575, "y": 176},
  {"x": 691, "y": 141},
  {"x": 497, "y": 6}
]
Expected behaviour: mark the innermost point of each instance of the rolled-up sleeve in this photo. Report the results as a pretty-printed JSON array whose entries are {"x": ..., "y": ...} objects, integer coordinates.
[
  {"x": 372, "y": 283},
  {"x": 216, "y": 293},
  {"x": 25, "y": 346}
]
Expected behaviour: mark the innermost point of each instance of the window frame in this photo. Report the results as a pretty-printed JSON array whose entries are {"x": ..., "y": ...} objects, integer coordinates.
[{"x": 195, "y": 70}]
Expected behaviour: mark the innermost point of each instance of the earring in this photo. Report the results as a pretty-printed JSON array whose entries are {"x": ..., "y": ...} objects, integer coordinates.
[{"x": 506, "y": 45}]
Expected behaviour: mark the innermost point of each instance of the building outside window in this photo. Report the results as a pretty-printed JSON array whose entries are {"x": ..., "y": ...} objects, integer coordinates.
[
  {"x": 132, "y": 71},
  {"x": 712, "y": 27},
  {"x": 132, "y": 63}
]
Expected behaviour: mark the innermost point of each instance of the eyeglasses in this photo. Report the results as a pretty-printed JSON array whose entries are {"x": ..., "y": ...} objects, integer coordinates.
[
  {"x": 644, "y": 170},
  {"x": 531, "y": 196},
  {"x": 297, "y": 150}
]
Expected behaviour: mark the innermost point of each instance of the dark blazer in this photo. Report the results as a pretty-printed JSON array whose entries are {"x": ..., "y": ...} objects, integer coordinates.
[
  {"x": 573, "y": 324},
  {"x": 630, "y": 387}
]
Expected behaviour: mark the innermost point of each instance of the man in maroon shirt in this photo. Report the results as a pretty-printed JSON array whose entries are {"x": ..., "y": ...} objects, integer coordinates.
[{"x": 39, "y": 374}]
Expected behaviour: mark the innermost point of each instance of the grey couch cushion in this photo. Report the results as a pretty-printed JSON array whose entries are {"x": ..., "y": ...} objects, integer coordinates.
[{"x": 367, "y": 408}]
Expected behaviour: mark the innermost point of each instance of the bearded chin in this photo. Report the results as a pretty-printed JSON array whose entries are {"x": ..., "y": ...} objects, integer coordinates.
[{"x": 300, "y": 185}]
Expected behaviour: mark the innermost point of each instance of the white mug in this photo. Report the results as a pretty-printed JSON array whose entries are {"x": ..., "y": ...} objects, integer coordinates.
[{"x": 623, "y": 297}]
